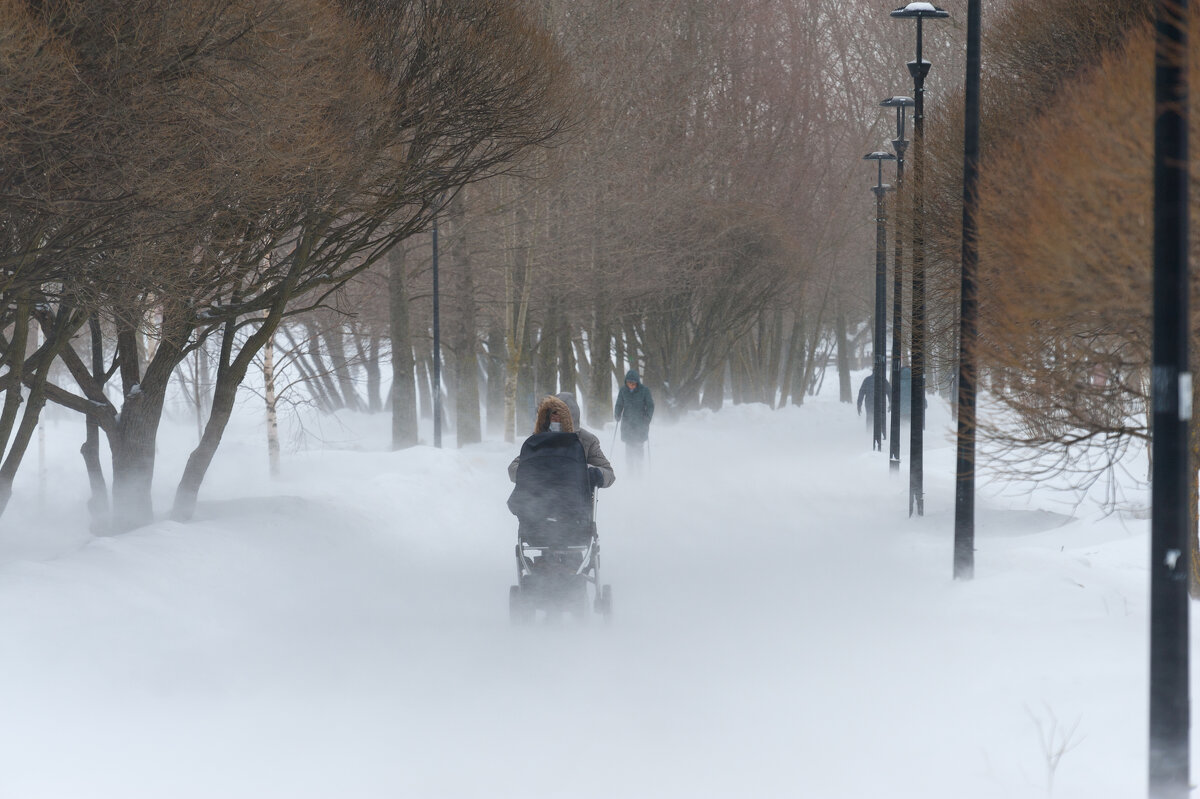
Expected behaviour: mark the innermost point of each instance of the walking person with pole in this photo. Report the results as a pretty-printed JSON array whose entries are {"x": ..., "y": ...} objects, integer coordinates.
[{"x": 633, "y": 411}]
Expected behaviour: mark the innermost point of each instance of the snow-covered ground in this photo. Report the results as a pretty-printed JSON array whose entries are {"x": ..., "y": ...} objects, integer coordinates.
[{"x": 782, "y": 629}]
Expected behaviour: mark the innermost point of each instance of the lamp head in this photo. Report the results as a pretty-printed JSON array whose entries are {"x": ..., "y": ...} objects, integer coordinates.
[
  {"x": 898, "y": 102},
  {"x": 879, "y": 155},
  {"x": 921, "y": 10}
]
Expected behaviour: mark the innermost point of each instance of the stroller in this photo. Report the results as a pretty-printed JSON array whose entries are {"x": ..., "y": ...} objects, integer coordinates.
[{"x": 558, "y": 550}]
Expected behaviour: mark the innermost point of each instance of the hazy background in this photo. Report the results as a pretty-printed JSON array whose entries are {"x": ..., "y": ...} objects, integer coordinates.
[{"x": 782, "y": 628}]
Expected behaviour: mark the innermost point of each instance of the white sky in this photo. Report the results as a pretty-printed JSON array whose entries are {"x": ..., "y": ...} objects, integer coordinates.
[{"x": 782, "y": 629}]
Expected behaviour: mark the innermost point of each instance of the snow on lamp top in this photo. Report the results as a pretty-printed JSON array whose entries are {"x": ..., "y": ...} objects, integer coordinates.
[{"x": 920, "y": 9}]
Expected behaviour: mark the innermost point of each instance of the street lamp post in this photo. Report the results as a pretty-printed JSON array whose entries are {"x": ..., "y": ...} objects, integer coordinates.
[
  {"x": 880, "y": 295},
  {"x": 1171, "y": 506},
  {"x": 964, "y": 482},
  {"x": 899, "y": 144},
  {"x": 918, "y": 69}
]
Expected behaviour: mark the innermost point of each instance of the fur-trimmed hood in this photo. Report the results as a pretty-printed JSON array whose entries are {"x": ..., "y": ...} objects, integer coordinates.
[
  {"x": 572, "y": 405},
  {"x": 568, "y": 413},
  {"x": 548, "y": 406}
]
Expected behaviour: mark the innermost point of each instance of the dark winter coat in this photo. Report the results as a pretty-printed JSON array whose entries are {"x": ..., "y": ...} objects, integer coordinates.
[
  {"x": 634, "y": 410},
  {"x": 552, "y": 483},
  {"x": 591, "y": 444},
  {"x": 866, "y": 394}
]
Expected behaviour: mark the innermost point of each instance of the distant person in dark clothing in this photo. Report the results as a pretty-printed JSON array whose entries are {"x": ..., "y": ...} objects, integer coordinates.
[
  {"x": 634, "y": 410},
  {"x": 866, "y": 395}
]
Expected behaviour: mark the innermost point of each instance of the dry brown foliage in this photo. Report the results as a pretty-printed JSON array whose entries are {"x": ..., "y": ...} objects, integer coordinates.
[
  {"x": 183, "y": 166},
  {"x": 1065, "y": 259},
  {"x": 1064, "y": 233},
  {"x": 705, "y": 124}
]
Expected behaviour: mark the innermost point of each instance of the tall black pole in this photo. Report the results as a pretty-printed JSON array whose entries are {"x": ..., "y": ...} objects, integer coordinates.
[
  {"x": 1172, "y": 409},
  {"x": 964, "y": 484},
  {"x": 437, "y": 347},
  {"x": 880, "y": 345},
  {"x": 899, "y": 144},
  {"x": 897, "y": 310},
  {"x": 918, "y": 69},
  {"x": 916, "y": 455}
]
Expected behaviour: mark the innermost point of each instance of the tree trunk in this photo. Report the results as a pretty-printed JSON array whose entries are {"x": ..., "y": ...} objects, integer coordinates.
[
  {"x": 229, "y": 377},
  {"x": 801, "y": 362},
  {"x": 495, "y": 381},
  {"x": 774, "y": 357},
  {"x": 423, "y": 360},
  {"x": 517, "y": 289},
  {"x": 231, "y": 371},
  {"x": 583, "y": 367},
  {"x": 322, "y": 371},
  {"x": 133, "y": 461},
  {"x": 845, "y": 390},
  {"x": 737, "y": 375},
  {"x": 335, "y": 342},
  {"x": 600, "y": 393},
  {"x": 620, "y": 358},
  {"x": 810, "y": 360},
  {"x": 449, "y": 373},
  {"x": 404, "y": 387},
  {"x": 757, "y": 346},
  {"x": 272, "y": 415},
  {"x": 439, "y": 387},
  {"x": 714, "y": 389},
  {"x": 198, "y": 393},
  {"x": 510, "y": 403},
  {"x": 33, "y": 403},
  {"x": 19, "y": 347},
  {"x": 791, "y": 357},
  {"x": 308, "y": 374},
  {"x": 545, "y": 379},
  {"x": 526, "y": 400},
  {"x": 188, "y": 490},
  {"x": 464, "y": 340},
  {"x": 566, "y": 359},
  {"x": 98, "y": 501},
  {"x": 374, "y": 377},
  {"x": 635, "y": 353},
  {"x": 134, "y": 437},
  {"x": 30, "y": 373}
]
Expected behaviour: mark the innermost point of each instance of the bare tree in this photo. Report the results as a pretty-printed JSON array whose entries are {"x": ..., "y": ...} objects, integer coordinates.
[
  {"x": 318, "y": 134},
  {"x": 404, "y": 389},
  {"x": 1064, "y": 312},
  {"x": 464, "y": 339}
]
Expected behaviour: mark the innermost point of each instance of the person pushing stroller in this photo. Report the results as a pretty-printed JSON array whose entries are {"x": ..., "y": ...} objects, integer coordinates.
[
  {"x": 560, "y": 413},
  {"x": 558, "y": 554}
]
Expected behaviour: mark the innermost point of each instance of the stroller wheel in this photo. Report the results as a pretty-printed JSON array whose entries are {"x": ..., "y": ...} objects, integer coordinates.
[{"x": 520, "y": 611}]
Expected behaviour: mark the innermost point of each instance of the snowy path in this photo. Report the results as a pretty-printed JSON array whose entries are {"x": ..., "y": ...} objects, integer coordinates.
[{"x": 782, "y": 629}]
